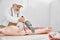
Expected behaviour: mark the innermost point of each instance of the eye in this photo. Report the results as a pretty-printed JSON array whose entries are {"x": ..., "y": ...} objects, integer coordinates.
[{"x": 17, "y": 6}]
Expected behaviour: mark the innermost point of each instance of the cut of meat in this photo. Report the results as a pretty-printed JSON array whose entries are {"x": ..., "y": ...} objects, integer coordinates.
[
  {"x": 54, "y": 36},
  {"x": 15, "y": 31},
  {"x": 12, "y": 30}
]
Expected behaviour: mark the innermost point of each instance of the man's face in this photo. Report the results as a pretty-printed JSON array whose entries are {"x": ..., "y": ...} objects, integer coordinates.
[{"x": 16, "y": 7}]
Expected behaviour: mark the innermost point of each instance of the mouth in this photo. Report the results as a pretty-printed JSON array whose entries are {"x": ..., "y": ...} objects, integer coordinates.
[{"x": 17, "y": 9}]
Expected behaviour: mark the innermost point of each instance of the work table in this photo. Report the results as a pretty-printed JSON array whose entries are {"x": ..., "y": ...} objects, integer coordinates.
[{"x": 27, "y": 37}]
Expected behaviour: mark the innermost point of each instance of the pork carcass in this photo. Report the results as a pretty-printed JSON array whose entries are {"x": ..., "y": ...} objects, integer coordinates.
[
  {"x": 12, "y": 30},
  {"x": 15, "y": 31}
]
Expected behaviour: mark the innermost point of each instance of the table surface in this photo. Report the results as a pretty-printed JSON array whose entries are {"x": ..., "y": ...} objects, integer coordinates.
[{"x": 27, "y": 37}]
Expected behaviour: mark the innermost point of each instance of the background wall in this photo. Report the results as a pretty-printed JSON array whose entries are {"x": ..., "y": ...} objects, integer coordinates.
[
  {"x": 38, "y": 12},
  {"x": 55, "y": 15}
]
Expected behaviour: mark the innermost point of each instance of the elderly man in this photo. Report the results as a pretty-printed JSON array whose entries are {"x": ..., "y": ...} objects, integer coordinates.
[
  {"x": 15, "y": 12},
  {"x": 13, "y": 17}
]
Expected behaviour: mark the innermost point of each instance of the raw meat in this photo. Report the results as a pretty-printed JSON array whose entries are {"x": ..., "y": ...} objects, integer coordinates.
[
  {"x": 15, "y": 31},
  {"x": 54, "y": 36}
]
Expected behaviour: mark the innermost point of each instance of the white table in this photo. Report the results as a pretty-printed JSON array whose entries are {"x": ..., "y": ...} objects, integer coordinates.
[{"x": 28, "y": 37}]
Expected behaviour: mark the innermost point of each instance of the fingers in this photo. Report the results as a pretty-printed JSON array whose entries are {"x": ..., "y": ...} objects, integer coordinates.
[{"x": 22, "y": 19}]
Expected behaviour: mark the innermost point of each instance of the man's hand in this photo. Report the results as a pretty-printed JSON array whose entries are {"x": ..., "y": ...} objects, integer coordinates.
[{"x": 21, "y": 19}]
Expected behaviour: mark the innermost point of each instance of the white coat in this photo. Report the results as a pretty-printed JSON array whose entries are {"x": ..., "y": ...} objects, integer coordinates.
[{"x": 12, "y": 17}]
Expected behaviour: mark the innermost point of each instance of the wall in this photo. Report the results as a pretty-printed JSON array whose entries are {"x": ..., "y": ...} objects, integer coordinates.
[
  {"x": 38, "y": 12},
  {"x": 55, "y": 15}
]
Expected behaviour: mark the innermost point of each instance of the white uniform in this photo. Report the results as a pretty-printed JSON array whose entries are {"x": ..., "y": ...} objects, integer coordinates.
[{"x": 12, "y": 17}]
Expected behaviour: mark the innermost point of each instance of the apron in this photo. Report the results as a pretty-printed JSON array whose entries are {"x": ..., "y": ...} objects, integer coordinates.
[{"x": 11, "y": 23}]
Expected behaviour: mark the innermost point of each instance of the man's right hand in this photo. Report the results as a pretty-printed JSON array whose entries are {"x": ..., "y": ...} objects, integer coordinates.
[{"x": 21, "y": 19}]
